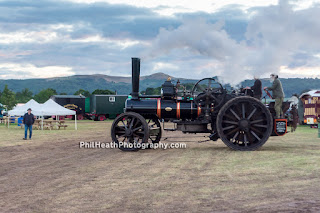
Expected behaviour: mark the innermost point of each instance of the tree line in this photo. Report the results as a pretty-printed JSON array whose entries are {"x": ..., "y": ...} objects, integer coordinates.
[
  {"x": 10, "y": 98},
  {"x": 157, "y": 90}
]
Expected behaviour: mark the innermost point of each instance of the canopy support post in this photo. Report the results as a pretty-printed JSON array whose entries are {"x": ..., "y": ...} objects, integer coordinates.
[
  {"x": 42, "y": 123},
  {"x": 75, "y": 122}
]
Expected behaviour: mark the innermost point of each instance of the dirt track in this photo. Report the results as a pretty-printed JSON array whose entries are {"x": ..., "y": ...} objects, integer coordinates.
[{"x": 57, "y": 176}]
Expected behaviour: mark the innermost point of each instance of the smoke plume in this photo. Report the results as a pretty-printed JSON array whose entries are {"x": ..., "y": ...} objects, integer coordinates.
[{"x": 276, "y": 36}]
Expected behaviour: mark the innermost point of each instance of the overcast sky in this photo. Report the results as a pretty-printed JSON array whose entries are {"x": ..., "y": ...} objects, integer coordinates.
[{"x": 234, "y": 39}]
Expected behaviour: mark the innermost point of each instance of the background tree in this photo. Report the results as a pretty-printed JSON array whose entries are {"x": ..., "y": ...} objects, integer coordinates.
[
  {"x": 8, "y": 98},
  {"x": 83, "y": 92},
  {"x": 103, "y": 92},
  {"x": 152, "y": 91},
  {"x": 44, "y": 95},
  {"x": 24, "y": 96}
]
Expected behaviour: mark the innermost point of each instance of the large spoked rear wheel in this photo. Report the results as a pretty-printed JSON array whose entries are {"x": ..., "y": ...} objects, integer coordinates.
[
  {"x": 129, "y": 130},
  {"x": 244, "y": 124}
]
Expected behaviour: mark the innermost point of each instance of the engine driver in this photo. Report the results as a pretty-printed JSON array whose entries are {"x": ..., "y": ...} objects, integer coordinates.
[
  {"x": 256, "y": 88},
  {"x": 277, "y": 94}
]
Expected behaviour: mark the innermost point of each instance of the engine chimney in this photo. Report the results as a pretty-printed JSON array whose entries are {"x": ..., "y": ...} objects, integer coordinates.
[{"x": 135, "y": 78}]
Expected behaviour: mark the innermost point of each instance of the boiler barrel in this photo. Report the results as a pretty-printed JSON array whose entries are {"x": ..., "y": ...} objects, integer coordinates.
[{"x": 166, "y": 109}]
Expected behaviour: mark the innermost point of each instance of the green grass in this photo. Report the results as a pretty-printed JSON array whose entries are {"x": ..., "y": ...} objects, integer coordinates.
[
  {"x": 12, "y": 136},
  {"x": 282, "y": 176}
]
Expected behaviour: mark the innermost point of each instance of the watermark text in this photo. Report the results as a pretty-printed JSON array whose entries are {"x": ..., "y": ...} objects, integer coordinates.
[{"x": 126, "y": 145}]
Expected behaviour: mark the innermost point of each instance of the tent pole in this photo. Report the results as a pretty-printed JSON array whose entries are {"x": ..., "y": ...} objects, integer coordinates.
[
  {"x": 75, "y": 122},
  {"x": 42, "y": 123}
]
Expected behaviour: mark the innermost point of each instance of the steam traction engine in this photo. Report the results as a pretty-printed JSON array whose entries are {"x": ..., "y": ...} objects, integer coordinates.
[{"x": 240, "y": 121}]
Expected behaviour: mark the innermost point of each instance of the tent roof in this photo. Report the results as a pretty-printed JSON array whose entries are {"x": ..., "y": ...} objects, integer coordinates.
[
  {"x": 312, "y": 93},
  {"x": 21, "y": 110},
  {"x": 50, "y": 107}
]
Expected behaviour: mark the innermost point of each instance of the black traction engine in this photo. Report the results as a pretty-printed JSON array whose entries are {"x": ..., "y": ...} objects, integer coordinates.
[{"x": 240, "y": 121}]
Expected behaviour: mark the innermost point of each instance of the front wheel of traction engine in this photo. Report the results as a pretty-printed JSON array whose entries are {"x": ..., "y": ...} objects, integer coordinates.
[
  {"x": 129, "y": 130},
  {"x": 155, "y": 131},
  {"x": 244, "y": 124}
]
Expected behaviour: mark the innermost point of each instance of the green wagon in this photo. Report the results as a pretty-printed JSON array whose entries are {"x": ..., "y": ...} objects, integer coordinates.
[{"x": 106, "y": 106}]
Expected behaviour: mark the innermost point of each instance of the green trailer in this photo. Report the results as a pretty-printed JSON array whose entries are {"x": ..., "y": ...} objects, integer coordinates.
[
  {"x": 87, "y": 105},
  {"x": 106, "y": 106}
]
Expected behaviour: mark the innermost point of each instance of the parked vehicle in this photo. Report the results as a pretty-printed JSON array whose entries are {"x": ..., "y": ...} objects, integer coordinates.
[
  {"x": 311, "y": 102},
  {"x": 95, "y": 107},
  {"x": 106, "y": 106},
  {"x": 73, "y": 102}
]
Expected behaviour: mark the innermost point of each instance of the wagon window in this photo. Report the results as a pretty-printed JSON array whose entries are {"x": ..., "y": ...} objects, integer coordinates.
[
  {"x": 112, "y": 99},
  {"x": 309, "y": 101}
]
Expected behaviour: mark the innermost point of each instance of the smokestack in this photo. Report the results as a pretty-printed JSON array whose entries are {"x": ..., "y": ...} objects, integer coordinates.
[{"x": 135, "y": 78}]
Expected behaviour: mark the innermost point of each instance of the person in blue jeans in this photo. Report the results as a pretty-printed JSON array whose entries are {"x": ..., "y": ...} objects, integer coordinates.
[{"x": 28, "y": 120}]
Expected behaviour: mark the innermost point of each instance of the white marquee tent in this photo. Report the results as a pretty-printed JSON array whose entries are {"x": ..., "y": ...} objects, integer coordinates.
[
  {"x": 21, "y": 110},
  {"x": 49, "y": 108}
]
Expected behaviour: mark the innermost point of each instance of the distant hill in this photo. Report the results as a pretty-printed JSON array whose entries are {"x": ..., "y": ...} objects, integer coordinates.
[
  {"x": 123, "y": 84},
  {"x": 71, "y": 84}
]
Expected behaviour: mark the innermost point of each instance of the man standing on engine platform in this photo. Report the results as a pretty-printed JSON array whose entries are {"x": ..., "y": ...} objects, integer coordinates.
[{"x": 277, "y": 94}]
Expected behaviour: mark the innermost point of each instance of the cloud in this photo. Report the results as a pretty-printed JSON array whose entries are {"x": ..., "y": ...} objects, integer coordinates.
[
  {"x": 232, "y": 40},
  {"x": 111, "y": 20},
  {"x": 10, "y": 70},
  {"x": 274, "y": 38}
]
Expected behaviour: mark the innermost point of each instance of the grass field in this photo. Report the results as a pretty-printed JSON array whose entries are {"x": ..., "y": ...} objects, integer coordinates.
[{"x": 51, "y": 174}]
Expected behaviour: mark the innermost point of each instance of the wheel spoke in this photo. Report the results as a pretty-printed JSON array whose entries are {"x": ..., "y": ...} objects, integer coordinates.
[
  {"x": 252, "y": 113},
  {"x": 229, "y": 116},
  {"x": 120, "y": 127},
  {"x": 135, "y": 129},
  {"x": 233, "y": 131},
  {"x": 245, "y": 141},
  {"x": 255, "y": 135},
  {"x": 256, "y": 130},
  {"x": 257, "y": 121},
  {"x": 125, "y": 126},
  {"x": 132, "y": 122},
  {"x": 230, "y": 122},
  {"x": 235, "y": 136},
  {"x": 243, "y": 111},
  {"x": 259, "y": 125},
  {"x": 201, "y": 88},
  {"x": 235, "y": 114},
  {"x": 229, "y": 127}
]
